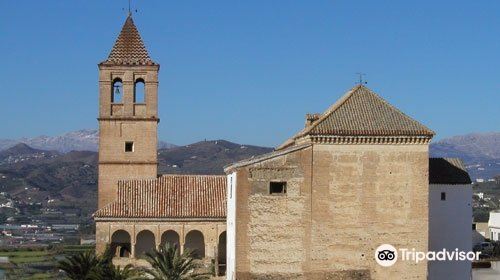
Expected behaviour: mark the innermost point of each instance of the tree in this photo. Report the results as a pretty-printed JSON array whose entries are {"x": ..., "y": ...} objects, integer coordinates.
[
  {"x": 80, "y": 265},
  {"x": 88, "y": 266},
  {"x": 168, "y": 264},
  {"x": 111, "y": 272}
]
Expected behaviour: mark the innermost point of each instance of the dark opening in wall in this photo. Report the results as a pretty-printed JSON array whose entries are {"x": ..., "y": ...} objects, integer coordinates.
[
  {"x": 129, "y": 147},
  {"x": 117, "y": 91},
  {"x": 139, "y": 91},
  {"x": 277, "y": 188},
  {"x": 443, "y": 196}
]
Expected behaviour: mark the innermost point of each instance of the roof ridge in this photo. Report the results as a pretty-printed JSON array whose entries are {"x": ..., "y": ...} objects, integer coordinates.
[
  {"x": 361, "y": 112},
  {"x": 396, "y": 108},
  {"x": 324, "y": 115},
  {"x": 332, "y": 108},
  {"x": 267, "y": 156}
]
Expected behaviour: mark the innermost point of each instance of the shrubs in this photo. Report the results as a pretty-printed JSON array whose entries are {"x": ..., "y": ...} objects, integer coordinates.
[
  {"x": 87, "y": 266},
  {"x": 166, "y": 264},
  {"x": 80, "y": 266}
]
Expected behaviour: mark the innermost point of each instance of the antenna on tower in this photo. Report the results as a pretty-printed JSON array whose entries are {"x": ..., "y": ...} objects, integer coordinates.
[{"x": 361, "y": 81}]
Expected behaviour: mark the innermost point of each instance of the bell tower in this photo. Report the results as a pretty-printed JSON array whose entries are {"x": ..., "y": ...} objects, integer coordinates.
[{"x": 128, "y": 113}]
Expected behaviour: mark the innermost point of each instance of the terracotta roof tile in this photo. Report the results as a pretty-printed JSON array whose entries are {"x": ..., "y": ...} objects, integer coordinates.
[
  {"x": 129, "y": 48},
  {"x": 169, "y": 196},
  {"x": 361, "y": 112},
  {"x": 449, "y": 171}
]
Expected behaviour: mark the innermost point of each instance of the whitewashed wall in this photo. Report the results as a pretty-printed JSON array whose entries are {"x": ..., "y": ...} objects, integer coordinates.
[
  {"x": 494, "y": 225},
  {"x": 450, "y": 227},
  {"x": 231, "y": 230}
]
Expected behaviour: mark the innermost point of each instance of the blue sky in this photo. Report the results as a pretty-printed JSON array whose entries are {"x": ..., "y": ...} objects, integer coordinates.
[{"x": 249, "y": 71}]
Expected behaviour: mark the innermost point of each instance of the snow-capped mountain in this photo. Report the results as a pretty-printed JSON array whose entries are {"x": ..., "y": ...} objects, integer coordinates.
[{"x": 80, "y": 140}]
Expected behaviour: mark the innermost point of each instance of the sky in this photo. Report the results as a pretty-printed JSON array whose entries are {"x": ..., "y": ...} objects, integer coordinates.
[{"x": 249, "y": 71}]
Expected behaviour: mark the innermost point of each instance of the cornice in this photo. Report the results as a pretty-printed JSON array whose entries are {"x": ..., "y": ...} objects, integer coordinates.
[{"x": 370, "y": 140}]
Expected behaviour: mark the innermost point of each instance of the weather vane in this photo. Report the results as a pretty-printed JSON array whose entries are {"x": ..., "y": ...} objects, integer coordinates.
[
  {"x": 130, "y": 8},
  {"x": 360, "y": 81}
]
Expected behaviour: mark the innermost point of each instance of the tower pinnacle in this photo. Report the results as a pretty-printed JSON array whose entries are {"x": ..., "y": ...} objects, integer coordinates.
[{"x": 129, "y": 49}]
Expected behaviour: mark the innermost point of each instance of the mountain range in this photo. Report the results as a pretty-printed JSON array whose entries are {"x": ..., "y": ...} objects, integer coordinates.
[
  {"x": 80, "y": 140},
  {"x": 53, "y": 178},
  {"x": 479, "y": 151},
  {"x": 64, "y": 168}
]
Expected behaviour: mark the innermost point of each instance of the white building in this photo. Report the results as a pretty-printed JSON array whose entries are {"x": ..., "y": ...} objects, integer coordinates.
[
  {"x": 231, "y": 230},
  {"x": 450, "y": 216},
  {"x": 480, "y": 195},
  {"x": 494, "y": 225}
]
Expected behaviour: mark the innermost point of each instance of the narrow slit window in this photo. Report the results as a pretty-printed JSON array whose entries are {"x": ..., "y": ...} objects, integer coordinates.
[
  {"x": 129, "y": 147},
  {"x": 139, "y": 91},
  {"x": 443, "y": 196},
  {"x": 277, "y": 188},
  {"x": 231, "y": 187}
]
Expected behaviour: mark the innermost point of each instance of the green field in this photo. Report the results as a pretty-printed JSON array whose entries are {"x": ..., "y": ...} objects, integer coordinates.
[{"x": 39, "y": 263}]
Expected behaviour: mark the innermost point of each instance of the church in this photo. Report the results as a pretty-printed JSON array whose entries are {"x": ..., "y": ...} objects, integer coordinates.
[
  {"x": 356, "y": 176},
  {"x": 138, "y": 209}
]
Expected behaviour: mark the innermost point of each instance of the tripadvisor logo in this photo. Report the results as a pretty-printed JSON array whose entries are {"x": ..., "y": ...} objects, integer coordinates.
[{"x": 387, "y": 255}]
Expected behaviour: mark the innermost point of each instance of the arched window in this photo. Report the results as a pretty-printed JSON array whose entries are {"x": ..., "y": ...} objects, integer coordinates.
[
  {"x": 145, "y": 243},
  {"x": 171, "y": 237},
  {"x": 139, "y": 91},
  {"x": 221, "y": 248},
  {"x": 120, "y": 244},
  {"x": 195, "y": 243},
  {"x": 117, "y": 91}
]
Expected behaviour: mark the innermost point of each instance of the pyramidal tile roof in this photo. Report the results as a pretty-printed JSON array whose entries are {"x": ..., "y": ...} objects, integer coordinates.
[
  {"x": 361, "y": 112},
  {"x": 129, "y": 48}
]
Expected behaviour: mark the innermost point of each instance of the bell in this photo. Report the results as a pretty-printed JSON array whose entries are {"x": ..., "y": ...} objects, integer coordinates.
[{"x": 117, "y": 90}]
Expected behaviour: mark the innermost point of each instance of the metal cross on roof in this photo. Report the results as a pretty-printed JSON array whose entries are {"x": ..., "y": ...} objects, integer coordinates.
[
  {"x": 130, "y": 8},
  {"x": 361, "y": 81}
]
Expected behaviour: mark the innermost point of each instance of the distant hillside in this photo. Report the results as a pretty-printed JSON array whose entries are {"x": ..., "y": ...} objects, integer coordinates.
[
  {"x": 70, "y": 179},
  {"x": 205, "y": 157},
  {"x": 33, "y": 175},
  {"x": 81, "y": 140},
  {"x": 479, "y": 151}
]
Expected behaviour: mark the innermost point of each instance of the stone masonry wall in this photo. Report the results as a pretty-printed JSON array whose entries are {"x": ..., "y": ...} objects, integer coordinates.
[
  {"x": 125, "y": 121},
  {"x": 353, "y": 199},
  {"x": 272, "y": 230},
  {"x": 365, "y": 196}
]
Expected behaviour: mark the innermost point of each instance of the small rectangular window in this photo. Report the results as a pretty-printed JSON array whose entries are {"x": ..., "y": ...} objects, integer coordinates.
[
  {"x": 277, "y": 188},
  {"x": 129, "y": 147},
  {"x": 473, "y": 226},
  {"x": 443, "y": 196}
]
